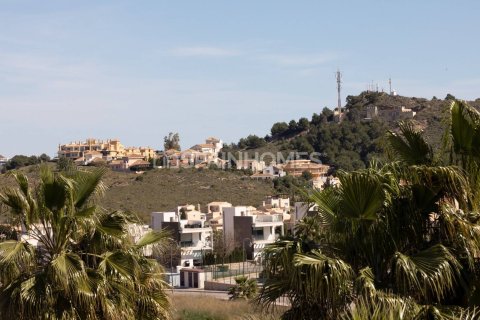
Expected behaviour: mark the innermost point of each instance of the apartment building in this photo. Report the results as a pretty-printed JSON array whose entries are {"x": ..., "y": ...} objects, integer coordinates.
[
  {"x": 247, "y": 228},
  {"x": 297, "y": 167},
  {"x": 214, "y": 214},
  {"x": 250, "y": 164},
  {"x": 110, "y": 149},
  {"x": 199, "y": 156},
  {"x": 189, "y": 229},
  {"x": 280, "y": 201}
]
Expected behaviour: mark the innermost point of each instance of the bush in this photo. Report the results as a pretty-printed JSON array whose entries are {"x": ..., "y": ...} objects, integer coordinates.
[{"x": 244, "y": 288}]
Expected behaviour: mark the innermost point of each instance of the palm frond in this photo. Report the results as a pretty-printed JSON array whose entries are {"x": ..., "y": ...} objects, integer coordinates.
[
  {"x": 362, "y": 195},
  {"x": 410, "y": 146},
  {"x": 465, "y": 129},
  {"x": 429, "y": 274},
  {"x": 153, "y": 237},
  {"x": 89, "y": 185}
]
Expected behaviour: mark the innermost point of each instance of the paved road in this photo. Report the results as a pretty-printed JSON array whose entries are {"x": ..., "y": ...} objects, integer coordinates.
[{"x": 222, "y": 295}]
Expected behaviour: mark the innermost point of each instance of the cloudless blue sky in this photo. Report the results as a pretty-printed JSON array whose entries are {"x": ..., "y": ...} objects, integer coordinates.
[{"x": 136, "y": 70}]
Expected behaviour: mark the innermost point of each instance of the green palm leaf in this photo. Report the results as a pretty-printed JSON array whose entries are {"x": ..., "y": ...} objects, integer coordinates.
[
  {"x": 465, "y": 129},
  {"x": 410, "y": 146},
  {"x": 430, "y": 274},
  {"x": 362, "y": 195}
]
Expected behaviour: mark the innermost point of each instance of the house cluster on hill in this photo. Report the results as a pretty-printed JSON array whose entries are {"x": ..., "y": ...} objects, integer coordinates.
[
  {"x": 396, "y": 113},
  {"x": 319, "y": 172},
  {"x": 193, "y": 230},
  {"x": 113, "y": 154},
  {"x": 244, "y": 227},
  {"x": 198, "y": 156},
  {"x": 110, "y": 152},
  {"x": 118, "y": 157}
]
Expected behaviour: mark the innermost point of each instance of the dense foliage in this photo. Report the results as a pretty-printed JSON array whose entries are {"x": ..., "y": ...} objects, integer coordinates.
[
  {"x": 394, "y": 241},
  {"x": 74, "y": 260},
  {"x": 19, "y": 161},
  {"x": 354, "y": 142}
]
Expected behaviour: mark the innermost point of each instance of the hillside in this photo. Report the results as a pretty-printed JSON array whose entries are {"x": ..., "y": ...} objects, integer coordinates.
[
  {"x": 164, "y": 189},
  {"x": 352, "y": 143}
]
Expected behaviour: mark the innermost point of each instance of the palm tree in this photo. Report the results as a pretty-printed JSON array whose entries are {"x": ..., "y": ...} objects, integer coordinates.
[
  {"x": 400, "y": 239},
  {"x": 84, "y": 264},
  {"x": 244, "y": 288}
]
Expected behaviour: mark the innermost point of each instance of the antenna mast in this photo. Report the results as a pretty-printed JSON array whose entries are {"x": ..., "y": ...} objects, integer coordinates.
[{"x": 339, "y": 87}]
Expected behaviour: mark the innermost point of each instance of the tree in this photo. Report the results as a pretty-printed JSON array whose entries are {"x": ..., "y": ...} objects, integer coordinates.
[
  {"x": 65, "y": 164},
  {"x": 292, "y": 126},
  {"x": 450, "y": 97},
  {"x": 402, "y": 236},
  {"x": 172, "y": 141},
  {"x": 307, "y": 175},
  {"x": 19, "y": 161},
  {"x": 244, "y": 288},
  {"x": 279, "y": 129},
  {"x": 303, "y": 124},
  {"x": 44, "y": 158},
  {"x": 221, "y": 247},
  {"x": 85, "y": 265},
  {"x": 252, "y": 142}
]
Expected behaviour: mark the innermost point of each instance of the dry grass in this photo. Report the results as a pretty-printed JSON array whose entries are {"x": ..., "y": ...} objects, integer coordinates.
[
  {"x": 164, "y": 189},
  {"x": 189, "y": 307}
]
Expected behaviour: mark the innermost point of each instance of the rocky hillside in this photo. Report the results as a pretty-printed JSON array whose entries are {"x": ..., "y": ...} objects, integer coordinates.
[{"x": 352, "y": 143}]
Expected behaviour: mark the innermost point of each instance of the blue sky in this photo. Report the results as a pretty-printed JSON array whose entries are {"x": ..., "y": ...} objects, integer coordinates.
[{"x": 136, "y": 70}]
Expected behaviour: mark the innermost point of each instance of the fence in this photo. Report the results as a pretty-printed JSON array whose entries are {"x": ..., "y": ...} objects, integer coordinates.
[{"x": 226, "y": 273}]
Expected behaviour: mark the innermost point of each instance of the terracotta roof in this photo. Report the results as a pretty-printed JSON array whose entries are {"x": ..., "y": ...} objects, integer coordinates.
[
  {"x": 140, "y": 163},
  {"x": 171, "y": 151},
  {"x": 203, "y": 145},
  {"x": 133, "y": 156}
]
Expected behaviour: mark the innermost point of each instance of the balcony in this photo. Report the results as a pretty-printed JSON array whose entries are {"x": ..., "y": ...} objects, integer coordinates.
[
  {"x": 194, "y": 228},
  {"x": 193, "y": 225},
  {"x": 186, "y": 244}
]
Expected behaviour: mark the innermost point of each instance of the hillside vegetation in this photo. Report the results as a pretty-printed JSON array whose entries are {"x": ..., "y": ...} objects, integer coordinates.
[
  {"x": 351, "y": 144},
  {"x": 164, "y": 189}
]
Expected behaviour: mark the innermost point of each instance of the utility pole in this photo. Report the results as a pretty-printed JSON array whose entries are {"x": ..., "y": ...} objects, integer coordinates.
[{"x": 390, "y": 84}]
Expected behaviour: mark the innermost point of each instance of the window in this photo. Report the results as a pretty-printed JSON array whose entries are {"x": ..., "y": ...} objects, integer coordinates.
[{"x": 257, "y": 233}]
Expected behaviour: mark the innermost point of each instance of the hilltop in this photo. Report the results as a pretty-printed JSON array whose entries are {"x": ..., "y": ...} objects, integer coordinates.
[
  {"x": 164, "y": 189},
  {"x": 355, "y": 141}
]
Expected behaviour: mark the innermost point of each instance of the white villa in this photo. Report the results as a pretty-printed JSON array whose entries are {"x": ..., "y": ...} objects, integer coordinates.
[
  {"x": 251, "y": 229},
  {"x": 189, "y": 229}
]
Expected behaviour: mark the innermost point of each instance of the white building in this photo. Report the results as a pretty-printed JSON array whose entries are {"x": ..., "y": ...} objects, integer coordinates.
[
  {"x": 3, "y": 161},
  {"x": 250, "y": 229},
  {"x": 275, "y": 170},
  {"x": 189, "y": 230},
  {"x": 282, "y": 202},
  {"x": 137, "y": 232},
  {"x": 250, "y": 164}
]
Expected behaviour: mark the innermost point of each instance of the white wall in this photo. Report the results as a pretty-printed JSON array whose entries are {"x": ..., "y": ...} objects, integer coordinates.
[{"x": 158, "y": 217}]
